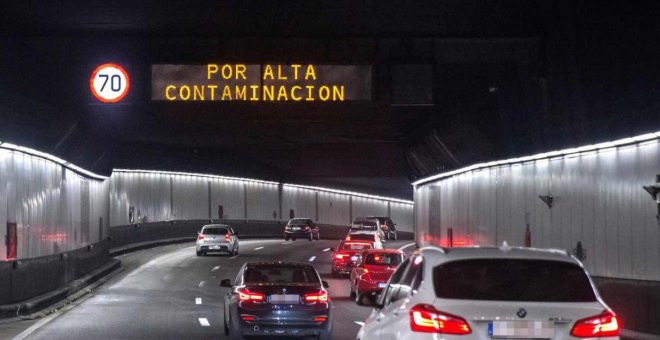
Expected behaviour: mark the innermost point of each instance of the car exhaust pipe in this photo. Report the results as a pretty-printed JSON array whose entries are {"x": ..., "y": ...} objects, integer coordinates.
[{"x": 256, "y": 328}]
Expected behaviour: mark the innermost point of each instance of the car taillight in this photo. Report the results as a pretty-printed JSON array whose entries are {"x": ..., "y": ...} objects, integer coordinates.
[
  {"x": 200, "y": 238},
  {"x": 340, "y": 256},
  {"x": 227, "y": 237},
  {"x": 320, "y": 318},
  {"x": 425, "y": 318},
  {"x": 306, "y": 227},
  {"x": 320, "y": 296},
  {"x": 348, "y": 238},
  {"x": 246, "y": 295},
  {"x": 605, "y": 324}
]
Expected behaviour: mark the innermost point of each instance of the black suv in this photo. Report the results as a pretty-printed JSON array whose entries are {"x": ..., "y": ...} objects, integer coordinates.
[{"x": 387, "y": 226}]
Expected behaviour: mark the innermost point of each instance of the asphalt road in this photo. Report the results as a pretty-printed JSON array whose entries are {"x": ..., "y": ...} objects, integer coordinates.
[{"x": 169, "y": 293}]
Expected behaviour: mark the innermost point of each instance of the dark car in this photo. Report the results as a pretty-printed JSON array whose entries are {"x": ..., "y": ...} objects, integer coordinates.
[
  {"x": 277, "y": 299},
  {"x": 301, "y": 228},
  {"x": 388, "y": 227}
]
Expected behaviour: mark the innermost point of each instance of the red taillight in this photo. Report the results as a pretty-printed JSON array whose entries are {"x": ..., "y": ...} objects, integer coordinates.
[
  {"x": 227, "y": 237},
  {"x": 425, "y": 318},
  {"x": 348, "y": 238},
  {"x": 200, "y": 238},
  {"x": 606, "y": 324},
  {"x": 306, "y": 227},
  {"x": 320, "y": 318},
  {"x": 246, "y": 295},
  {"x": 340, "y": 256},
  {"x": 320, "y": 296},
  {"x": 247, "y": 317}
]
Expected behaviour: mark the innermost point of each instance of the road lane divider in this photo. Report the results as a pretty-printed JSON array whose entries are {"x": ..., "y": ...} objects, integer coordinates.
[
  {"x": 311, "y": 259},
  {"x": 360, "y": 323},
  {"x": 202, "y": 283},
  {"x": 258, "y": 248},
  {"x": 326, "y": 249},
  {"x": 406, "y": 246},
  {"x": 204, "y": 322},
  {"x": 198, "y": 301},
  {"x": 215, "y": 268}
]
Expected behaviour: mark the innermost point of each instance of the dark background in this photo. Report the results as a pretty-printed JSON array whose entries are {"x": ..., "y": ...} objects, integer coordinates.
[{"x": 455, "y": 82}]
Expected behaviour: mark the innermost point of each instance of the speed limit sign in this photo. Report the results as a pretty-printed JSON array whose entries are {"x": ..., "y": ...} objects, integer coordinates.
[{"x": 109, "y": 83}]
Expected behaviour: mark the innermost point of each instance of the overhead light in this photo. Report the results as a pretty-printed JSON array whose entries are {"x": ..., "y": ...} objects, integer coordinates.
[{"x": 587, "y": 149}]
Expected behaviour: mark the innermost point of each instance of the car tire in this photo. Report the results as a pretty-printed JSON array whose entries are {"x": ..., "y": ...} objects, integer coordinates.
[
  {"x": 226, "y": 327},
  {"x": 396, "y": 237},
  {"x": 286, "y": 237},
  {"x": 357, "y": 295},
  {"x": 352, "y": 295},
  {"x": 318, "y": 236},
  {"x": 310, "y": 237},
  {"x": 199, "y": 253},
  {"x": 293, "y": 239}
]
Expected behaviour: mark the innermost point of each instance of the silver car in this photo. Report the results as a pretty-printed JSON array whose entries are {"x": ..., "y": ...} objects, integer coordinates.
[{"x": 217, "y": 238}]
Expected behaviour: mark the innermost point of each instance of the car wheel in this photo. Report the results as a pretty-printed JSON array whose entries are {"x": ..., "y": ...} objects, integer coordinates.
[
  {"x": 226, "y": 327},
  {"x": 318, "y": 236},
  {"x": 310, "y": 237},
  {"x": 396, "y": 237},
  {"x": 357, "y": 294},
  {"x": 293, "y": 238},
  {"x": 286, "y": 237},
  {"x": 352, "y": 293},
  {"x": 199, "y": 253}
]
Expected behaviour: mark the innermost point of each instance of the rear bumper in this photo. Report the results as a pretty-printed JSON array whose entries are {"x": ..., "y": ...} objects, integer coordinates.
[
  {"x": 273, "y": 324},
  {"x": 287, "y": 330},
  {"x": 297, "y": 233},
  {"x": 344, "y": 268}
]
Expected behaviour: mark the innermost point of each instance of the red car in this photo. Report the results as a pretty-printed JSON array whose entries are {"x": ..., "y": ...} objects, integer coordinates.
[
  {"x": 374, "y": 270},
  {"x": 347, "y": 255}
]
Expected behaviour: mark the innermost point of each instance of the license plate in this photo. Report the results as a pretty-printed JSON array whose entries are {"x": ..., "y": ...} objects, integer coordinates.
[
  {"x": 215, "y": 247},
  {"x": 285, "y": 298},
  {"x": 521, "y": 329},
  {"x": 382, "y": 284},
  {"x": 354, "y": 258}
]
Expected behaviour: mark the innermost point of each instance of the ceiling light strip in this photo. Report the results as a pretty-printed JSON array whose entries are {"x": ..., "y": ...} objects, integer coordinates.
[
  {"x": 49, "y": 157},
  {"x": 175, "y": 173},
  {"x": 552, "y": 154},
  {"x": 351, "y": 193}
]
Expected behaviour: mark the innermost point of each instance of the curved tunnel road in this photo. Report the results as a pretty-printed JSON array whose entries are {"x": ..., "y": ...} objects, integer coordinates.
[{"x": 169, "y": 293}]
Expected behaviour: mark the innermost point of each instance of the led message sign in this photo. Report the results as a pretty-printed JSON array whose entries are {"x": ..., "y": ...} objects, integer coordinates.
[{"x": 268, "y": 82}]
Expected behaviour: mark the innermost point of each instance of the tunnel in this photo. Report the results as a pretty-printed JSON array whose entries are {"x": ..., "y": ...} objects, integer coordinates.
[{"x": 333, "y": 170}]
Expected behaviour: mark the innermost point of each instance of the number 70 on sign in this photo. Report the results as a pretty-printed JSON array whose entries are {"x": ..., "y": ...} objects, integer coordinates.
[{"x": 109, "y": 83}]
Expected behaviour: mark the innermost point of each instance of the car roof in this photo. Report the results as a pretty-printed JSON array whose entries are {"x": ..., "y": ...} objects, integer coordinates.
[
  {"x": 491, "y": 252},
  {"x": 216, "y": 226},
  {"x": 299, "y": 218},
  {"x": 384, "y": 251},
  {"x": 278, "y": 263}
]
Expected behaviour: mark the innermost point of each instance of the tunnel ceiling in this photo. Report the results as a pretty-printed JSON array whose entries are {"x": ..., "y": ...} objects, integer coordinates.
[{"x": 508, "y": 78}]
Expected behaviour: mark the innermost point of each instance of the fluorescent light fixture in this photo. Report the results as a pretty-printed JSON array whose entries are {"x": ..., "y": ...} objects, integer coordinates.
[
  {"x": 49, "y": 157},
  {"x": 351, "y": 193},
  {"x": 174, "y": 173},
  {"x": 587, "y": 149}
]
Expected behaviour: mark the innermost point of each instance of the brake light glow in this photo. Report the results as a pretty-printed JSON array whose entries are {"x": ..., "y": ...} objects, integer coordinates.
[
  {"x": 340, "y": 256},
  {"x": 320, "y": 296},
  {"x": 320, "y": 318},
  {"x": 227, "y": 237},
  {"x": 246, "y": 295},
  {"x": 605, "y": 324},
  {"x": 200, "y": 238},
  {"x": 425, "y": 318},
  {"x": 247, "y": 317}
]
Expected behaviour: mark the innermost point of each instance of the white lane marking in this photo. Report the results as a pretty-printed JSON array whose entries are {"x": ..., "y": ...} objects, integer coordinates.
[
  {"x": 233, "y": 257},
  {"x": 198, "y": 301},
  {"x": 257, "y": 248},
  {"x": 202, "y": 283},
  {"x": 360, "y": 323},
  {"x": 311, "y": 259},
  {"x": 215, "y": 268},
  {"x": 36, "y": 326},
  {"x": 406, "y": 246},
  {"x": 326, "y": 249},
  {"x": 204, "y": 322}
]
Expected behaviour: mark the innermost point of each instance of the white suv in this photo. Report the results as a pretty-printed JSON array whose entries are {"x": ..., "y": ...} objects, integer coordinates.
[{"x": 486, "y": 293}]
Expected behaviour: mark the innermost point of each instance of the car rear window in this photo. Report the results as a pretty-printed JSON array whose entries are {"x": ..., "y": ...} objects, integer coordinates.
[
  {"x": 383, "y": 259},
  {"x": 364, "y": 225},
  {"x": 272, "y": 275},
  {"x": 355, "y": 246},
  {"x": 298, "y": 222},
  {"x": 363, "y": 237},
  {"x": 512, "y": 280},
  {"x": 214, "y": 231}
]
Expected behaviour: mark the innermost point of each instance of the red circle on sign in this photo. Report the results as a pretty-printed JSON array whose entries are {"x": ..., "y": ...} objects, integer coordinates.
[{"x": 97, "y": 70}]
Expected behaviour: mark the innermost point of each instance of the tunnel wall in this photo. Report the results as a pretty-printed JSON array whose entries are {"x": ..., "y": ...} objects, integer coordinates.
[
  {"x": 598, "y": 200},
  {"x": 165, "y": 196},
  {"x": 55, "y": 209}
]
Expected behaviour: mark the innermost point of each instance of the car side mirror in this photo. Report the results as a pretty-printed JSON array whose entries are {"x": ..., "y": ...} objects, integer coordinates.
[
  {"x": 225, "y": 283},
  {"x": 369, "y": 299},
  {"x": 325, "y": 284}
]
